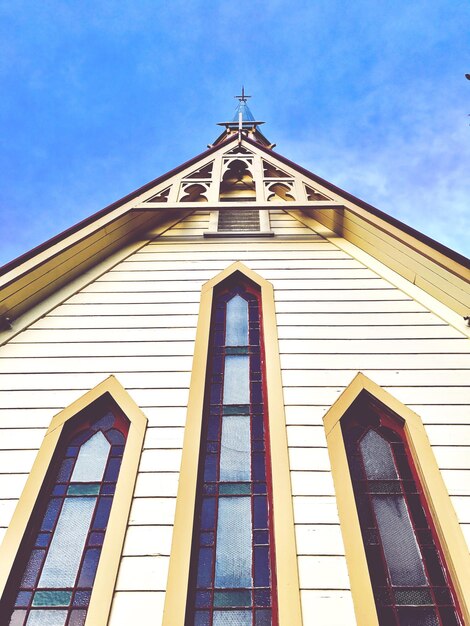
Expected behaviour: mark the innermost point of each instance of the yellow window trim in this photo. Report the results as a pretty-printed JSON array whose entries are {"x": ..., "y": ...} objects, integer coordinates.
[
  {"x": 287, "y": 584},
  {"x": 103, "y": 588},
  {"x": 447, "y": 527}
]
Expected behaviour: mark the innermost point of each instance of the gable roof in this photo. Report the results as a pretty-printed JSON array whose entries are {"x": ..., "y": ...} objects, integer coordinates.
[{"x": 33, "y": 276}]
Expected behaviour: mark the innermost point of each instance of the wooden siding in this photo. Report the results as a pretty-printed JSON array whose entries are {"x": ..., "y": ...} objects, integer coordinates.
[
  {"x": 58, "y": 269},
  {"x": 138, "y": 321},
  {"x": 400, "y": 255}
]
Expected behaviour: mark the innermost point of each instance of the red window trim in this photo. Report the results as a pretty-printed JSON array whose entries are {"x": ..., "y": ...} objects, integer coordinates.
[
  {"x": 232, "y": 285},
  {"x": 368, "y": 411}
]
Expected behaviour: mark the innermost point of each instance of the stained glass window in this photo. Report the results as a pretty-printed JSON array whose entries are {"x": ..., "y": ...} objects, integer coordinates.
[
  {"x": 231, "y": 579},
  {"x": 410, "y": 580},
  {"x": 51, "y": 582}
]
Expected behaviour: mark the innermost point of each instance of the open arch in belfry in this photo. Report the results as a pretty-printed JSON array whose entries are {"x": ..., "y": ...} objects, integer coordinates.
[{"x": 237, "y": 182}]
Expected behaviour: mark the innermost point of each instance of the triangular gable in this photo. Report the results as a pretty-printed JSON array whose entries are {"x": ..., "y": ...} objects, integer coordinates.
[{"x": 276, "y": 182}]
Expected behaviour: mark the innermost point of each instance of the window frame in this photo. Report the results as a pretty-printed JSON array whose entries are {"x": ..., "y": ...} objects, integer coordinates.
[
  {"x": 288, "y": 592},
  {"x": 108, "y": 565},
  {"x": 450, "y": 536}
]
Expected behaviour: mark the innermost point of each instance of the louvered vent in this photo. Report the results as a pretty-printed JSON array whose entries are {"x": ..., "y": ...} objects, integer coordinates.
[{"x": 238, "y": 220}]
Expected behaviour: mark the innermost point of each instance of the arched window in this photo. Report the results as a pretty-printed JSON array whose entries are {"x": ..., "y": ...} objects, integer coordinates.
[
  {"x": 235, "y": 424},
  {"x": 232, "y": 573},
  {"x": 410, "y": 580},
  {"x": 57, "y": 543},
  {"x": 54, "y": 576}
]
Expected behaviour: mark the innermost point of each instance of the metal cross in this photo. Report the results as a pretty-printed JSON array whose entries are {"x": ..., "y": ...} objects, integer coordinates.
[{"x": 242, "y": 98}]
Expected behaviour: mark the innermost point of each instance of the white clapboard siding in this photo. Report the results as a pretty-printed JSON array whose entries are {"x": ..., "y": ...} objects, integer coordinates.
[
  {"x": 312, "y": 483},
  {"x": 452, "y": 457},
  {"x": 407, "y": 395},
  {"x": 73, "y": 322},
  {"x": 105, "y": 364},
  {"x": 128, "y": 604},
  {"x": 16, "y": 461},
  {"x": 160, "y": 461},
  {"x": 367, "y": 332},
  {"x": 341, "y": 311},
  {"x": 131, "y": 380},
  {"x": 31, "y": 439},
  {"x": 156, "y": 485},
  {"x": 441, "y": 435},
  {"x": 310, "y": 436},
  {"x": 442, "y": 413},
  {"x": 319, "y": 539},
  {"x": 11, "y": 485},
  {"x": 164, "y": 437},
  {"x": 385, "y": 378},
  {"x": 317, "y": 251},
  {"x": 364, "y": 361},
  {"x": 100, "y": 349},
  {"x": 315, "y": 510},
  {"x": 335, "y": 607},
  {"x": 141, "y": 262},
  {"x": 457, "y": 481},
  {"x": 138, "y": 275},
  {"x": 323, "y": 572},
  {"x": 153, "y": 511},
  {"x": 187, "y": 232},
  {"x": 344, "y": 295},
  {"x": 25, "y": 418},
  {"x": 106, "y": 335},
  {"x": 138, "y": 321},
  {"x": 462, "y": 508},
  {"x": 145, "y": 293},
  {"x": 167, "y": 308},
  {"x": 308, "y": 458},
  {"x": 430, "y": 414},
  {"x": 373, "y": 346},
  {"x": 263, "y": 249},
  {"x": 334, "y": 312},
  {"x": 7, "y": 508},
  {"x": 466, "y": 533},
  {"x": 148, "y": 540},
  {"x": 57, "y": 399},
  {"x": 143, "y": 573}
]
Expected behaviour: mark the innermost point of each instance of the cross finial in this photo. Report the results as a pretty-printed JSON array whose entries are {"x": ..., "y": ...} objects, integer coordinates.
[{"x": 242, "y": 98}]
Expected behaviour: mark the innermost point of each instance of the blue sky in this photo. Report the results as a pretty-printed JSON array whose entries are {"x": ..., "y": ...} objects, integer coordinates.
[{"x": 99, "y": 97}]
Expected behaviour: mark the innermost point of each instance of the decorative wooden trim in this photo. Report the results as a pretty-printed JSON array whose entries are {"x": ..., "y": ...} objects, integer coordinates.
[
  {"x": 445, "y": 521},
  {"x": 429, "y": 247},
  {"x": 288, "y": 594},
  {"x": 108, "y": 566},
  {"x": 262, "y": 205}
]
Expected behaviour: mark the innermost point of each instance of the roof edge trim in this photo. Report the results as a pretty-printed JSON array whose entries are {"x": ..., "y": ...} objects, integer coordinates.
[
  {"x": 432, "y": 243},
  {"x": 10, "y": 265}
]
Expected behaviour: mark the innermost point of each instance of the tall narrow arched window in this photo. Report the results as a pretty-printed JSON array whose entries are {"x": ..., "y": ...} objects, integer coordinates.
[
  {"x": 232, "y": 578},
  {"x": 58, "y": 566},
  {"x": 410, "y": 580},
  {"x": 54, "y": 576}
]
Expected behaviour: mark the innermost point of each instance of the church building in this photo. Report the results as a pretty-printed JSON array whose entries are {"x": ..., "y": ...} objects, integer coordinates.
[{"x": 238, "y": 396}]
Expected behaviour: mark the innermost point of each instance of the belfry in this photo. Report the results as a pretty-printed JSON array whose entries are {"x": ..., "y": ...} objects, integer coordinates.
[{"x": 238, "y": 396}]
